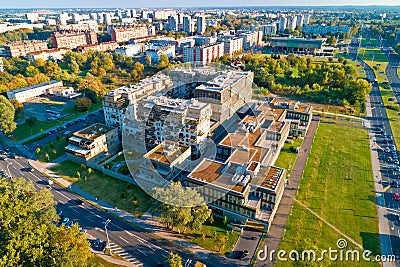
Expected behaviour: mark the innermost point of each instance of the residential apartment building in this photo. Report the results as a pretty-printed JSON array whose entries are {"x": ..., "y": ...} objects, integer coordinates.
[
  {"x": 73, "y": 40},
  {"x": 116, "y": 102},
  {"x": 227, "y": 92},
  {"x": 251, "y": 39},
  {"x": 292, "y": 22},
  {"x": 29, "y": 92},
  {"x": 188, "y": 25},
  {"x": 23, "y": 48},
  {"x": 185, "y": 121},
  {"x": 269, "y": 29},
  {"x": 203, "y": 55},
  {"x": 105, "y": 46},
  {"x": 124, "y": 34},
  {"x": 48, "y": 54},
  {"x": 131, "y": 49},
  {"x": 92, "y": 144},
  {"x": 282, "y": 24},
  {"x": 232, "y": 44},
  {"x": 324, "y": 30},
  {"x": 201, "y": 24}
]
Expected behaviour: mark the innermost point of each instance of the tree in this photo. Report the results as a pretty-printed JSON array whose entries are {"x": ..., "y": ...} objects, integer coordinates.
[
  {"x": 28, "y": 235},
  {"x": 31, "y": 71},
  {"x": 52, "y": 69},
  {"x": 181, "y": 207},
  {"x": 31, "y": 121},
  {"x": 83, "y": 104},
  {"x": 7, "y": 112},
  {"x": 164, "y": 61},
  {"x": 147, "y": 60},
  {"x": 174, "y": 260}
]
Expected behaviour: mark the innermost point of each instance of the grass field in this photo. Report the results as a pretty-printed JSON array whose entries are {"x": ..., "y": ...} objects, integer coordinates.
[
  {"x": 97, "y": 261},
  {"x": 376, "y": 60},
  {"x": 117, "y": 193},
  {"x": 337, "y": 184},
  {"x": 51, "y": 102},
  {"x": 287, "y": 158},
  {"x": 215, "y": 237},
  {"x": 52, "y": 151},
  {"x": 371, "y": 43}
]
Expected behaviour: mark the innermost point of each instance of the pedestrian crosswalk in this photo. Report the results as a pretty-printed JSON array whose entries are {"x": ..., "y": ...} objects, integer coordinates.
[{"x": 121, "y": 252}]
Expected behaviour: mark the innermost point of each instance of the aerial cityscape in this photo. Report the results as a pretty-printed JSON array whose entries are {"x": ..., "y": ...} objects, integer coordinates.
[{"x": 192, "y": 134}]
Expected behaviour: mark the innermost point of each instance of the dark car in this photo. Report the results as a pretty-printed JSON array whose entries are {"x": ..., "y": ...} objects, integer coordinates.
[
  {"x": 80, "y": 202},
  {"x": 244, "y": 254}
]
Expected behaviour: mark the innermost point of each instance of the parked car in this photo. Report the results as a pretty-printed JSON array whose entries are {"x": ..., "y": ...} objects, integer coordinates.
[
  {"x": 49, "y": 182},
  {"x": 80, "y": 202},
  {"x": 65, "y": 221},
  {"x": 244, "y": 254},
  {"x": 396, "y": 196}
]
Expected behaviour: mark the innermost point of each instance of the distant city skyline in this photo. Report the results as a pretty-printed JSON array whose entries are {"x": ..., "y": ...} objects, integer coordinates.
[{"x": 181, "y": 3}]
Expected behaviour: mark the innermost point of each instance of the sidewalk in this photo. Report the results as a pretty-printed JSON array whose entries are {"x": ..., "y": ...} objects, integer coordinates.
[
  {"x": 146, "y": 221},
  {"x": 278, "y": 226}
]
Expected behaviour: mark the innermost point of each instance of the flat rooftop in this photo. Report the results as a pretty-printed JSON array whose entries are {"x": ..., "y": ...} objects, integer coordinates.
[
  {"x": 34, "y": 86},
  {"x": 217, "y": 174},
  {"x": 165, "y": 153},
  {"x": 268, "y": 177},
  {"x": 94, "y": 131},
  {"x": 223, "y": 81}
]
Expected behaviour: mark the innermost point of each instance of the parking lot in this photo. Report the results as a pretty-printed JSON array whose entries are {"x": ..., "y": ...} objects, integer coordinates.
[{"x": 47, "y": 107}]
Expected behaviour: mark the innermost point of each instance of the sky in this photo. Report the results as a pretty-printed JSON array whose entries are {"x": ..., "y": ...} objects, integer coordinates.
[{"x": 181, "y": 3}]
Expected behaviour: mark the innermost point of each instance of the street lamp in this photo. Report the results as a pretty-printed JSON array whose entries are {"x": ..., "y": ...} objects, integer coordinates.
[{"x": 108, "y": 240}]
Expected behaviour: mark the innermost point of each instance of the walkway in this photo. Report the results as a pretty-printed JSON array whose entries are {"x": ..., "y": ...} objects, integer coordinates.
[{"x": 277, "y": 228}]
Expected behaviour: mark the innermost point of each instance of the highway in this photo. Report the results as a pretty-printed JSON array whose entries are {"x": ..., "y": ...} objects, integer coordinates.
[
  {"x": 130, "y": 242},
  {"x": 384, "y": 140}
]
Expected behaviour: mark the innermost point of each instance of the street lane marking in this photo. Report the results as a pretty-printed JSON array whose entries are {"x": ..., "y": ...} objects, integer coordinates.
[
  {"x": 123, "y": 239},
  {"x": 129, "y": 233},
  {"x": 142, "y": 252}
]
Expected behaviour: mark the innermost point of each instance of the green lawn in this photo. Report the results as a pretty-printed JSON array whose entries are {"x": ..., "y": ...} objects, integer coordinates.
[
  {"x": 287, "y": 158},
  {"x": 371, "y": 43},
  {"x": 215, "y": 237},
  {"x": 337, "y": 184},
  {"x": 97, "y": 261},
  {"x": 116, "y": 192},
  {"x": 53, "y": 150},
  {"x": 393, "y": 115},
  {"x": 374, "y": 54}
]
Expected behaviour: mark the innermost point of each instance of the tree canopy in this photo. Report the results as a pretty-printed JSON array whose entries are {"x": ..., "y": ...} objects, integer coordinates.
[
  {"x": 28, "y": 234},
  {"x": 181, "y": 207},
  {"x": 7, "y": 112}
]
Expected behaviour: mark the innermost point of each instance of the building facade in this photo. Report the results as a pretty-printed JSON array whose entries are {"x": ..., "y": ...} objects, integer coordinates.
[
  {"x": 30, "y": 92},
  {"x": 24, "y": 48},
  {"x": 124, "y": 34},
  {"x": 92, "y": 144},
  {"x": 73, "y": 40},
  {"x": 203, "y": 55}
]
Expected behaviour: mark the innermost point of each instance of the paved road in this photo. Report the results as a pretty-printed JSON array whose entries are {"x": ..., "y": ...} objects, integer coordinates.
[
  {"x": 131, "y": 242},
  {"x": 383, "y": 140},
  {"x": 278, "y": 226}
]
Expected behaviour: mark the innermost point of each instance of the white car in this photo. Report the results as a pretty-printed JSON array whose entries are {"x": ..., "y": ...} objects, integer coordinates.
[{"x": 50, "y": 182}]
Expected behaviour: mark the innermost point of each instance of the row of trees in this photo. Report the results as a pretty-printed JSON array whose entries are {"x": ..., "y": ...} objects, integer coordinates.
[
  {"x": 29, "y": 236},
  {"x": 330, "y": 83}
]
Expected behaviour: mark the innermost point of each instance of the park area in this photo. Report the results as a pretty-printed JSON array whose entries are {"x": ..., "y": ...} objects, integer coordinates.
[
  {"x": 337, "y": 185},
  {"x": 120, "y": 194},
  {"x": 393, "y": 113}
]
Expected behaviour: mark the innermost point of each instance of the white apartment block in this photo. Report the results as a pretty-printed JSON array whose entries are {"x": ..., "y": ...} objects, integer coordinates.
[
  {"x": 116, "y": 102},
  {"x": 282, "y": 24},
  {"x": 269, "y": 29},
  {"x": 186, "y": 121},
  {"x": 201, "y": 24},
  {"x": 30, "y": 92},
  {"x": 292, "y": 22},
  {"x": 203, "y": 55},
  {"x": 251, "y": 39},
  {"x": 231, "y": 44}
]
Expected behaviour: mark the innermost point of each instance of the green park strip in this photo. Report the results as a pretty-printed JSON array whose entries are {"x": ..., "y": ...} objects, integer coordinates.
[
  {"x": 51, "y": 102},
  {"x": 370, "y": 43},
  {"x": 52, "y": 150},
  {"x": 337, "y": 185},
  {"x": 288, "y": 155},
  {"x": 376, "y": 60},
  {"x": 120, "y": 194},
  {"x": 393, "y": 114},
  {"x": 98, "y": 261}
]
